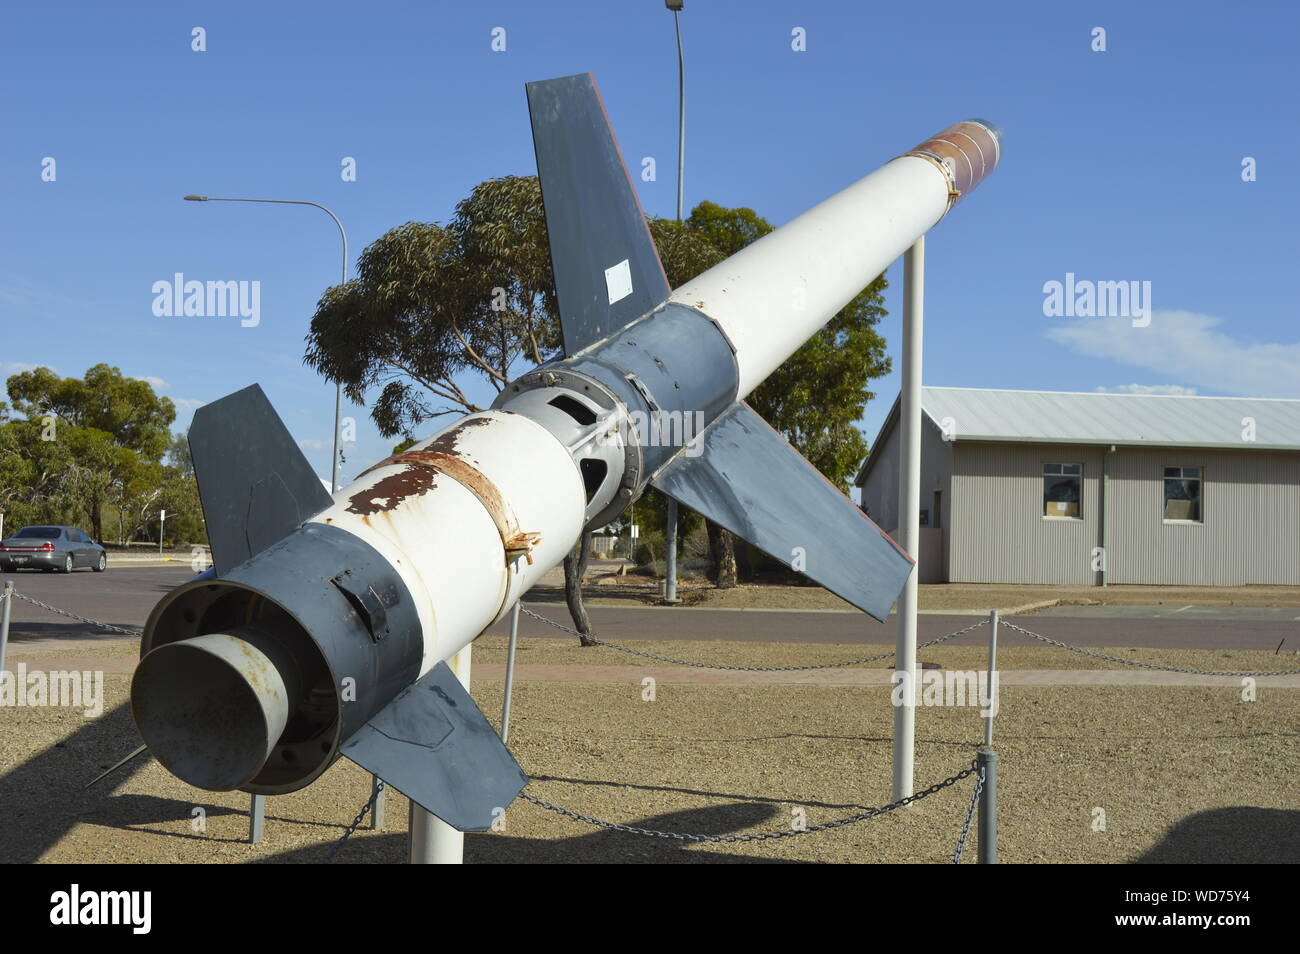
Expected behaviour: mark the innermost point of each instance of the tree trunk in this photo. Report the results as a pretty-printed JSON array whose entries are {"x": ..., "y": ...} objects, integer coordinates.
[
  {"x": 722, "y": 550},
  {"x": 575, "y": 568}
]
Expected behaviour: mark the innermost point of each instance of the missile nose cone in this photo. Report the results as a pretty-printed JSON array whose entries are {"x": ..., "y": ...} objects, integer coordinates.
[
  {"x": 210, "y": 708},
  {"x": 991, "y": 126},
  {"x": 967, "y": 152}
]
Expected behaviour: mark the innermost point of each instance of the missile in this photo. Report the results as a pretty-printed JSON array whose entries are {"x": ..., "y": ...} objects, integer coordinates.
[{"x": 324, "y": 626}]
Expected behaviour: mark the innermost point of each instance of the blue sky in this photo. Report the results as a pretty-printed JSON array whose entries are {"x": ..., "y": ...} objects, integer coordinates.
[{"x": 1123, "y": 165}]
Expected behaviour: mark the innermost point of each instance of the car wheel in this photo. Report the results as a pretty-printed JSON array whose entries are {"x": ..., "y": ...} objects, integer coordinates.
[
  {"x": 102, "y": 565},
  {"x": 67, "y": 563}
]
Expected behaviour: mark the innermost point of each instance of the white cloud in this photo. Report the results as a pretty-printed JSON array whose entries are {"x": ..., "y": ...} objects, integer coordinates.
[
  {"x": 311, "y": 444},
  {"x": 1176, "y": 389},
  {"x": 1191, "y": 347},
  {"x": 158, "y": 384},
  {"x": 187, "y": 405}
]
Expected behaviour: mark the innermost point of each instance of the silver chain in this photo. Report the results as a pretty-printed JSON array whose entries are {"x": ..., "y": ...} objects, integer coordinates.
[
  {"x": 970, "y": 816},
  {"x": 756, "y": 836},
  {"x": 706, "y": 665},
  {"x": 84, "y": 619},
  {"x": 356, "y": 822},
  {"x": 1147, "y": 665}
]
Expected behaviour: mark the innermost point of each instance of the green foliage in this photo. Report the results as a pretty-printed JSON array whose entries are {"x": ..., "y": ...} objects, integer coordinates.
[
  {"x": 84, "y": 445},
  {"x": 432, "y": 302},
  {"x": 125, "y": 408}
]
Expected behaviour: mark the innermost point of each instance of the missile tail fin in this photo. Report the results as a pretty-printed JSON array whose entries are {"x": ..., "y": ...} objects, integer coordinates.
[
  {"x": 749, "y": 480},
  {"x": 607, "y": 272},
  {"x": 433, "y": 745},
  {"x": 254, "y": 483}
]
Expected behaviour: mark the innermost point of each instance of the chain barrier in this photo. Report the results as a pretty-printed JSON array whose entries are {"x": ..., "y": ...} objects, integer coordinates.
[
  {"x": 970, "y": 816},
  {"x": 1146, "y": 665},
  {"x": 83, "y": 619},
  {"x": 706, "y": 665},
  {"x": 356, "y": 822},
  {"x": 756, "y": 836}
]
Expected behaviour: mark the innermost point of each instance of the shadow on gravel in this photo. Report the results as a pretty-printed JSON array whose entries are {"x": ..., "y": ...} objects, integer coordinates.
[
  {"x": 595, "y": 847},
  {"x": 44, "y": 797},
  {"x": 1230, "y": 836},
  {"x": 20, "y": 632}
]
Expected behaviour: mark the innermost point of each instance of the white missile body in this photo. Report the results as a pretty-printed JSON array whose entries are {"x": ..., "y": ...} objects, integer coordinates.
[
  {"x": 516, "y": 486},
  {"x": 814, "y": 265},
  {"x": 328, "y": 616}
]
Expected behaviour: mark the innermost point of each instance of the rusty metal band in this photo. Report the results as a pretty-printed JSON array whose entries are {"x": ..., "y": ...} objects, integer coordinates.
[{"x": 516, "y": 542}]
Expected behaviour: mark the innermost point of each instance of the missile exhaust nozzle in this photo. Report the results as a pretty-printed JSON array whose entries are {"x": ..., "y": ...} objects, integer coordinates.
[{"x": 212, "y": 707}]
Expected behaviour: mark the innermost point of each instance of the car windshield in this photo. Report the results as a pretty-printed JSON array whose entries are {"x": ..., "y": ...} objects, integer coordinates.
[{"x": 39, "y": 533}]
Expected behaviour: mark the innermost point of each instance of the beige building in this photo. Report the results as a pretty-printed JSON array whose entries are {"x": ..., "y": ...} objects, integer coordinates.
[{"x": 1055, "y": 487}]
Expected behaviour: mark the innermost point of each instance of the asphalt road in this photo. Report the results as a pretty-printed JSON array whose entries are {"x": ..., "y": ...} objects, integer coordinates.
[{"x": 125, "y": 595}]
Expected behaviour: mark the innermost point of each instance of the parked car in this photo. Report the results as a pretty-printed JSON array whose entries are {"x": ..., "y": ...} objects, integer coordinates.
[{"x": 51, "y": 548}]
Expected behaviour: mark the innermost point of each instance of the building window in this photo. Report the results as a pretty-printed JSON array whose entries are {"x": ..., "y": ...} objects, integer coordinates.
[
  {"x": 1062, "y": 490},
  {"x": 1183, "y": 494}
]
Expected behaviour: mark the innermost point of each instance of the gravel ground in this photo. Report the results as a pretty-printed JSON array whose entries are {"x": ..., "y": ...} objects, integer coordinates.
[{"x": 1181, "y": 774}]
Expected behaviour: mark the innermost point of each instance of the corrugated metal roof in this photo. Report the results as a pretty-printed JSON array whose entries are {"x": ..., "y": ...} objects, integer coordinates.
[
  {"x": 1157, "y": 419},
  {"x": 1074, "y": 417}
]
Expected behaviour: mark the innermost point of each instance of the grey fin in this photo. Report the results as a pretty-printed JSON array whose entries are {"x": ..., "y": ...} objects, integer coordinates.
[
  {"x": 749, "y": 480},
  {"x": 433, "y": 745},
  {"x": 254, "y": 483},
  {"x": 607, "y": 272}
]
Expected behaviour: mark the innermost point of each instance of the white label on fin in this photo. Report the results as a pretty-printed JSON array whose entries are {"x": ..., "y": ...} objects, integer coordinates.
[{"x": 618, "y": 281}]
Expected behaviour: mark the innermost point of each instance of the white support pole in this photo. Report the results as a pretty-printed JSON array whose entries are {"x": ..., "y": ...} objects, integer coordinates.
[
  {"x": 909, "y": 509},
  {"x": 432, "y": 841},
  {"x": 510, "y": 672}
]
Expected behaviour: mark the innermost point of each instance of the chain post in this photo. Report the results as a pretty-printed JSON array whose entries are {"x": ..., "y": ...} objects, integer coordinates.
[
  {"x": 987, "y": 760},
  {"x": 993, "y": 690},
  {"x": 7, "y": 598},
  {"x": 377, "y": 815}
]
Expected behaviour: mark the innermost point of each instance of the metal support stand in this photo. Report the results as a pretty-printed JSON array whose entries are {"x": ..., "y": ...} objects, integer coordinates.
[
  {"x": 256, "y": 818},
  {"x": 909, "y": 510},
  {"x": 7, "y": 600},
  {"x": 510, "y": 672},
  {"x": 670, "y": 554},
  {"x": 432, "y": 841},
  {"x": 988, "y": 809}
]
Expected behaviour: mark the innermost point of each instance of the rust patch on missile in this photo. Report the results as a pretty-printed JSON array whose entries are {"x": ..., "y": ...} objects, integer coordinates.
[
  {"x": 420, "y": 468},
  {"x": 387, "y": 493}
]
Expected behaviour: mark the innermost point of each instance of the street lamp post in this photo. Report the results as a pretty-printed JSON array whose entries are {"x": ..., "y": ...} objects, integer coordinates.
[
  {"x": 338, "y": 388},
  {"x": 670, "y": 529}
]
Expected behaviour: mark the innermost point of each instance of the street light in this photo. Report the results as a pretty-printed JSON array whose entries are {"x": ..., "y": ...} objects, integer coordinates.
[
  {"x": 670, "y": 530},
  {"x": 338, "y": 388}
]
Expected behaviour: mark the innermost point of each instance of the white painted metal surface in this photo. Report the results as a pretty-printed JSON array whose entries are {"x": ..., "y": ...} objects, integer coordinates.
[
  {"x": 909, "y": 510},
  {"x": 446, "y": 543},
  {"x": 773, "y": 295}
]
